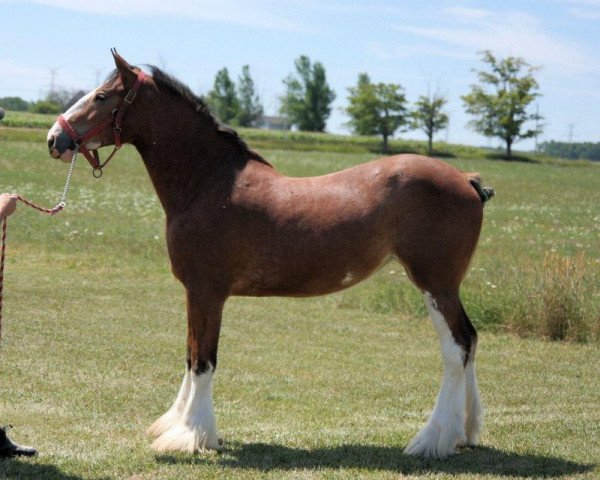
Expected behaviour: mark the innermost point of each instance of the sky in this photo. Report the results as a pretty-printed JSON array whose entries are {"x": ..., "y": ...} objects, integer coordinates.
[{"x": 423, "y": 46}]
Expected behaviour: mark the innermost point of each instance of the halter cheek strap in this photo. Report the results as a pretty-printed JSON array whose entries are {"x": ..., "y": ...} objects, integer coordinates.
[{"x": 115, "y": 119}]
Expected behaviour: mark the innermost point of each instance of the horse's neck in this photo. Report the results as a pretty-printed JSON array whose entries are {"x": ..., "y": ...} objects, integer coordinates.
[{"x": 184, "y": 164}]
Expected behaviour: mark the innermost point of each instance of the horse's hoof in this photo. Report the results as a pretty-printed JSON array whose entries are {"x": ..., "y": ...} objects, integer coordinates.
[{"x": 8, "y": 448}]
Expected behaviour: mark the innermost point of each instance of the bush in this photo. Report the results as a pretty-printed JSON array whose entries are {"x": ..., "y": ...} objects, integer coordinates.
[
  {"x": 45, "y": 106},
  {"x": 15, "y": 104}
]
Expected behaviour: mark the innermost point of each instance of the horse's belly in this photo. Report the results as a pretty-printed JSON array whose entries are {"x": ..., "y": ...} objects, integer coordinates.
[{"x": 311, "y": 279}]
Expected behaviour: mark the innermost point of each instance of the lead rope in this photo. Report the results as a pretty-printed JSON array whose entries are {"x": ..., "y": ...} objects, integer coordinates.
[{"x": 50, "y": 211}]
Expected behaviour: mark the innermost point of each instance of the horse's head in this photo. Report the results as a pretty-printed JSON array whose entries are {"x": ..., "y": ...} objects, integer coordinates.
[{"x": 97, "y": 119}]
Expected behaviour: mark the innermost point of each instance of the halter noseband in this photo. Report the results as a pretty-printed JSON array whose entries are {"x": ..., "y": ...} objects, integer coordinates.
[{"x": 115, "y": 119}]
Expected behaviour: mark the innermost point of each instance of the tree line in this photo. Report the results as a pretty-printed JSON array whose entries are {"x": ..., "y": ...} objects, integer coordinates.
[
  {"x": 56, "y": 101},
  {"x": 499, "y": 102},
  {"x": 572, "y": 151}
]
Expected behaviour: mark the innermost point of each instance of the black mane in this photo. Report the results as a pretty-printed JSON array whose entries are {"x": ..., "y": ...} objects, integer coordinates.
[
  {"x": 175, "y": 86},
  {"x": 168, "y": 82}
]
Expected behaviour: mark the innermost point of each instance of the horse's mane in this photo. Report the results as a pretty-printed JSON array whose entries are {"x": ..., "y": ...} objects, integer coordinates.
[{"x": 178, "y": 88}]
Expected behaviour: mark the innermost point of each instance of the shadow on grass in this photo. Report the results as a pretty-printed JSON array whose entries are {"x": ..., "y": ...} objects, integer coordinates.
[
  {"x": 481, "y": 460},
  {"x": 28, "y": 469},
  {"x": 513, "y": 158}
]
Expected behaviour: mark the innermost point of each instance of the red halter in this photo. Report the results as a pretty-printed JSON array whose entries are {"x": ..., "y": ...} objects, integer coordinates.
[{"x": 115, "y": 119}]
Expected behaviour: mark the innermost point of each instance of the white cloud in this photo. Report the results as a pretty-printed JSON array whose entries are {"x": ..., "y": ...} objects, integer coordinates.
[
  {"x": 593, "y": 3},
  {"x": 19, "y": 79},
  {"x": 29, "y": 82},
  {"x": 585, "y": 9},
  {"x": 585, "y": 14},
  {"x": 256, "y": 14},
  {"x": 401, "y": 50},
  {"x": 11, "y": 68},
  {"x": 516, "y": 34},
  {"x": 463, "y": 12}
]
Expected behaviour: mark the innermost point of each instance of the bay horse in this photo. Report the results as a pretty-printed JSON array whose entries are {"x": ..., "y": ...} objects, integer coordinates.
[{"x": 236, "y": 226}]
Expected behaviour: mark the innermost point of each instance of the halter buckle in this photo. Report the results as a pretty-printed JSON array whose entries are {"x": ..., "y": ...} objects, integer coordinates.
[
  {"x": 130, "y": 97},
  {"x": 97, "y": 172}
]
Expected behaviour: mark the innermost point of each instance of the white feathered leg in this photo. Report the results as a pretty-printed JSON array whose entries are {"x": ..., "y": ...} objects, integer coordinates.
[
  {"x": 195, "y": 428},
  {"x": 168, "y": 419},
  {"x": 474, "y": 420},
  {"x": 445, "y": 429}
]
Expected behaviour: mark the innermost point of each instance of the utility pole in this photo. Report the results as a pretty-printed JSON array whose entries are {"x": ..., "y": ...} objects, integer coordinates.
[
  {"x": 53, "y": 78},
  {"x": 571, "y": 126},
  {"x": 97, "y": 77},
  {"x": 537, "y": 126}
]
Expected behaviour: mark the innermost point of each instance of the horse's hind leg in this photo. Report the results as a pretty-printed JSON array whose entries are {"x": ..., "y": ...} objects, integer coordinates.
[
  {"x": 456, "y": 417},
  {"x": 190, "y": 425},
  {"x": 474, "y": 420}
]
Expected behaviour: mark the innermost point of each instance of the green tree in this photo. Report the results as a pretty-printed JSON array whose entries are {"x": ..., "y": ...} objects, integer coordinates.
[
  {"x": 16, "y": 104},
  {"x": 376, "y": 109},
  {"x": 64, "y": 97},
  {"x": 307, "y": 102},
  {"x": 429, "y": 116},
  {"x": 223, "y": 99},
  {"x": 500, "y": 100},
  {"x": 45, "y": 106},
  {"x": 250, "y": 108}
]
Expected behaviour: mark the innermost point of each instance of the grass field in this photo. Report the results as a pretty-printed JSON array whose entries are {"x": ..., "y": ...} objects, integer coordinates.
[{"x": 332, "y": 387}]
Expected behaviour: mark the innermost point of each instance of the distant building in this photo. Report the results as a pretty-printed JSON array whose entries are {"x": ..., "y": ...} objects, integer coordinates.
[{"x": 274, "y": 123}]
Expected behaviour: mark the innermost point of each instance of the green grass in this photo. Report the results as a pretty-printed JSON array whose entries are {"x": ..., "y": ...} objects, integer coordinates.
[
  {"x": 331, "y": 387},
  {"x": 28, "y": 120}
]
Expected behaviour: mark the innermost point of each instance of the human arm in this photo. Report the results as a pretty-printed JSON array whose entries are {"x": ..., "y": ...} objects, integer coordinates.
[{"x": 8, "y": 205}]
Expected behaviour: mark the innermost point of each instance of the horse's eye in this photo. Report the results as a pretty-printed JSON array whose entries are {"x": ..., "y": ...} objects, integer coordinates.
[{"x": 100, "y": 97}]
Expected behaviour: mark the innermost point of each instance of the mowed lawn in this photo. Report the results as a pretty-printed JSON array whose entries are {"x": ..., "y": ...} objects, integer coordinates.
[{"x": 331, "y": 387}]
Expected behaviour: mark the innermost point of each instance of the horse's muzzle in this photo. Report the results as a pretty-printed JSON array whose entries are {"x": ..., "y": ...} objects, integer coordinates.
[{"x": 60, "y": 145}]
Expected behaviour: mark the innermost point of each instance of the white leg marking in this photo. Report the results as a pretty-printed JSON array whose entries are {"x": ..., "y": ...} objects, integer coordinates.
[
  {"x": 474, "y": 409},
  {"x": 169, "y": 419},
  {"x": 445, "y": 429},
  {"x": 195, "y": 428}
]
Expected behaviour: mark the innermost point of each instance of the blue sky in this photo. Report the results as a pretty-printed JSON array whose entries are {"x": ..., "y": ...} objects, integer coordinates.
[{"x": 420, "y": 45}]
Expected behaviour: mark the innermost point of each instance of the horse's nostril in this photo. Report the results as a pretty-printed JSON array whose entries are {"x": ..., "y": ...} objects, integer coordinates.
[{"x": 50, "y": 143}]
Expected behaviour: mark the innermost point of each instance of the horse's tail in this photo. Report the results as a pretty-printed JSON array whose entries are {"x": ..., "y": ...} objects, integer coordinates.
[{"x": 485, "y": 193}]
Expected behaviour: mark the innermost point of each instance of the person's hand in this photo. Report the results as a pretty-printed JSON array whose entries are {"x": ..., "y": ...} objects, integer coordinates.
[{"x": 8, "y": 205}]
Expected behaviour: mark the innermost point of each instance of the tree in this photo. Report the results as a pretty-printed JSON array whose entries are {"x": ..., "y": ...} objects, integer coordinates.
[
  {"x": 45, "y": 106},
  {"x": 376, "y": 109},
  {"x": 250, "y": 109},
  {"x": 64, "y": 97},
  {"x": 429, "y": 116},
  {"x": 16, "y": 104},
  {"x": 575, "y": 151},
  {"x": 501, "y": 110},
  {"x": 222, "y": 99},
  {"x": 307, "y": 102}
]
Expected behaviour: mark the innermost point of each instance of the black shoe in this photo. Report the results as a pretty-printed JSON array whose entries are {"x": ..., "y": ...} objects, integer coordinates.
[{"x": 8, "y": 448}]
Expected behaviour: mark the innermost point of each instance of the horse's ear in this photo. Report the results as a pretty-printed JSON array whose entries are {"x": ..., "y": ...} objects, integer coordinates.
[{"x": 128, "y": 73}]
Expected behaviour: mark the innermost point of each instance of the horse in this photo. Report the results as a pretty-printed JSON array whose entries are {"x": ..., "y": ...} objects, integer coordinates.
[{"x": 236, "y": 226}]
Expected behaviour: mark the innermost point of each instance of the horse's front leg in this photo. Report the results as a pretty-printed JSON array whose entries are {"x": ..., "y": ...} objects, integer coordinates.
[{"x": 189, "y": 425}]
